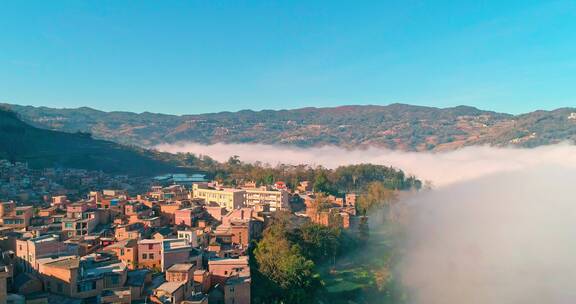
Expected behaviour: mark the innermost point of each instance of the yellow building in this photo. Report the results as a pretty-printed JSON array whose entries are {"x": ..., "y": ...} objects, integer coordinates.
[{"x": 225, "y": 197}]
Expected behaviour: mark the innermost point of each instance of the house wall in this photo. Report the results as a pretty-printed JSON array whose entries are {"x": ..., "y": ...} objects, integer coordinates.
[
  {"x": 128, "y": 255},
  {"x": 184, "y": 216},
  {"x": 175, "y": 257},
  {"x": 223, "y": 269},
  {"x": 28, "y": 252},
  {"x": 167, "y": 212},
  {"x": 122, "y": 233},
  {"x": 144, "y": 251},
  {"x": 237, "y": 293},
  {"x": 202, "y": 281},
  {"x": 241, "y": 235},
  {"x": 216, "y": 212},
  {"x": 55, "y": 277}
]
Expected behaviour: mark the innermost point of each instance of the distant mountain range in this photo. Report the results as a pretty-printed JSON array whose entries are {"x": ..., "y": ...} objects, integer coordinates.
[
  {"x": 42, "y": 148},
  {"x": 396, "y": 126}
]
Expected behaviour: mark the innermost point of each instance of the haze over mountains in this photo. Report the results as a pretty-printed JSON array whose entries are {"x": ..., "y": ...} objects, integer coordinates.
[{"x": 397, "y": 126}]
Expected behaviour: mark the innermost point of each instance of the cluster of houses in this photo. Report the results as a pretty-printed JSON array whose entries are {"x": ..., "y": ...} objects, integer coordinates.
[
  {"x": 172, "y": 244},
  {"x": 23, "y": 184}
]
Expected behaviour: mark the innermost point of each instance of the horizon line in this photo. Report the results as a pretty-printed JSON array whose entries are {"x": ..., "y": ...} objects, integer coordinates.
[{"x": 281, "y": 109}]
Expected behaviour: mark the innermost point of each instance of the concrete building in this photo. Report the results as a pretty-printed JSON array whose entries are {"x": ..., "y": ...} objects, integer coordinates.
[
  {"x": 76, "y": 210},
  {"x": 72, "y": 227},
  {"x": 215, "y": 210},
  {"x": 167, "y": 211},
  {"x": 184, "y": 217},
  {"x": 81, "y": 278},
  {"x": 202, "y": 280},
  {"x": 225, "y": 197},
  {"x": 232, "y": 278},
  {"x": 149, "y": 254},
  {"x": 133, "y": 231},
  {"x": 28, "y": 251},
  {"x": 242, "y": 225},
  {"x": 237, "y": 290},
  {"x": 126, "y": 251},
  {"x": 15, "y": 217},
  {"x": 184, "y": 273},
  {"x": 195, "y": 236},
  {"x": 169, "y": 292},
  {"x": 350, "y": 200},
  {"x": 222, "y": 269},
  {"x": 170, "y": 193},
  {"x": 161, "y": 254},
  {"x": 277, "y": 199}
]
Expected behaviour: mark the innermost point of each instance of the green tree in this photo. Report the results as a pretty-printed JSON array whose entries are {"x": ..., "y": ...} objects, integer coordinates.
[
  {"x": 319, "y": 242},
  {"x": 234, "y": 161},
  {"x": 321, "y": 183},
  {"x": 377, "y": 196},
  {"x": 284, "y": 264}
]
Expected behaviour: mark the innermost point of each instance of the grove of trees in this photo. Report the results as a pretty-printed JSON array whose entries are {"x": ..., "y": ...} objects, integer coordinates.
[{"x": 284, "y": 260}]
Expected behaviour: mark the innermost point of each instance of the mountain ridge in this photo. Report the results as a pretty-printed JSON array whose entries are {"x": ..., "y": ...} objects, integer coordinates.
[
  {"x": 395, "y": 126},
  {"x": 42, "y": 148}
]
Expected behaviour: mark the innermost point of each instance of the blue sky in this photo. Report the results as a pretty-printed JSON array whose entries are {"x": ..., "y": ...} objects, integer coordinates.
[{"x": 207, "y": 56}]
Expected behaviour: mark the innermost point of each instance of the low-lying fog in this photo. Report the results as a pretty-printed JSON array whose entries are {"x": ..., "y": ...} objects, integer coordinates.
[
  {"x": 509, "y": 237},
  {"x": 499, "y": 227},
  {"x": 440, "y": 168}
]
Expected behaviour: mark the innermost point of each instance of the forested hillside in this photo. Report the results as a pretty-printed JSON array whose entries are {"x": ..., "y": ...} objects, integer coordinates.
[{"x": 397, "y": 126}]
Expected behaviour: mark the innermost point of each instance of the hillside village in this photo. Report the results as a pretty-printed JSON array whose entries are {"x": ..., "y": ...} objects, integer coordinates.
[{"x": 181, "y": 240}]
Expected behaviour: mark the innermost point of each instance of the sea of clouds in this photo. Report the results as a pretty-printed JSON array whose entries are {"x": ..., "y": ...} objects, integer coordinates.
[
  {"x": 441, "y": 168},
  {"x": 508, "y": 237}
]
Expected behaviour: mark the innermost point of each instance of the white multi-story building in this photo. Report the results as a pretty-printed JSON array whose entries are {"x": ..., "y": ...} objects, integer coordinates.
[{"x": 277, "y": 199}]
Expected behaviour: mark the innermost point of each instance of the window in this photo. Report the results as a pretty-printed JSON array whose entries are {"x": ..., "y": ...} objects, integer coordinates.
[
  {"x": 115, "y": 280},
  {"x": 144, "y": 256},
  {"x": 59, "y": 287},
  {"x": 151, "y": 256},
  {"x": 150, "y": 246},
  {"x": 69, "y": 225}
]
